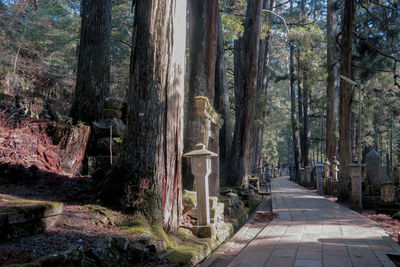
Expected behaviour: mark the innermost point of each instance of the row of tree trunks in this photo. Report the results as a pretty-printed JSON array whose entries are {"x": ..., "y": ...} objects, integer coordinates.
[
  {"x": 245, "y": 115},
  {"x": 221, "y": 104},
  {"x": 306, "y": 119},
  {"x": 333, "y": 79},
  {"x": 203, "y": 31},
  {"x": 148, "y": 176},
  {"x": 345, "y": 156},
  {"x": 93, "y": 76}
]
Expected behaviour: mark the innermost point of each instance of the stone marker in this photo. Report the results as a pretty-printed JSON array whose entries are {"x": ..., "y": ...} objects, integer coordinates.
[
  {"x": 372, "y": 163},
  {"x": 308, "y": 176},
  {"x": 319, "y": 168},
  {"x": 335, "y": 169},
  {"x": 388, "y": 192},
  {"x": 325, "y": 182},
  {"x": 201, "y": 169},
  {"x": 356, "y": 193},
  {"x": 302, "y": 176}
]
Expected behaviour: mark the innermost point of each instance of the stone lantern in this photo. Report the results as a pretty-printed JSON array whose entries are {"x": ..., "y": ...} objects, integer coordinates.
[
  {"x": 319, "y": 168},
  {"x": 200, "y": 160}
]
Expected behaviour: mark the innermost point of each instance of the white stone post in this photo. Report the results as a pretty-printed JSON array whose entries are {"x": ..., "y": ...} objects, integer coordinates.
[
  {"x": 355, "y": 174},
  {"x": 327, "y": 167},
  {"x": 200, "y": 160},
  {"x": 319, "y": 168},
  {"x": 335, "y": 169}
]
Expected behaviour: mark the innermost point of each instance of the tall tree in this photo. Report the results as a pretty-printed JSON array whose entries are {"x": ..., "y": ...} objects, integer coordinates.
[
  {"x": 93, "y": 77},
  {"x": 203, "y": 23},
  {"x": 333, "y": 79},
  {"x": 148, "y": 176},
  {"x": 221, "y": 103},
  {"x": 262, "y": 86},
  {"x": 247, "y": 90},
  {"x": 345, "y": 156},
  {"x": 295, "y": 128}
]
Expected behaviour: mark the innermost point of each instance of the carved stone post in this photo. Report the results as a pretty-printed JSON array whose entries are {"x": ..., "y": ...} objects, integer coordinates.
[
  {"x": 335, "y": 176},
  {"x": 319, "y": 168},
  {"x": 327, "y": 167},
  {"x": 200, "y": 159},
  {"x": 356, "y": 193},
  {"x": 308, "y": 176}
]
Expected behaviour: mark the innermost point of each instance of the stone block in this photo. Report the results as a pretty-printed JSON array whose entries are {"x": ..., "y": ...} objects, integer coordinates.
[
  {"x": 213, "y": 202},
  {"x": 205, "y": 231},
  {"x": 388, "y": 192},
  {"x": 217, "y": 214}
]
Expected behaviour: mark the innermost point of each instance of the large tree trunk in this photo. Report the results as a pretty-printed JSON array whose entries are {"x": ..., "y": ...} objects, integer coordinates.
[
  {"x": 300, "y": 107},
  {"x": 262, "y": 86},
  {"x": 306, "y": 119},
  {"x": 93, "y": 77},
  {"x": 221, "y": 103},
  {"x": 345, "y": 99},
  {"x": 333, "y": 79},
  {"x": 241, "y": 139},
  {"x": 203, "y": 16},
  {"x": 148, "y": 176},
  {"x": 295, "y": 128}
]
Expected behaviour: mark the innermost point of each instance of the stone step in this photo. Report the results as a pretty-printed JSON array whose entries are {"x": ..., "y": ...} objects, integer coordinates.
[{"x": 22, "y": 217}]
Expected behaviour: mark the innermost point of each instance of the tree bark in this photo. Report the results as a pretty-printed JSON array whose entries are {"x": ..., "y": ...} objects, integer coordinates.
[
  {"x": 306, "y": 119},
  {"x": 203, "y": 23},
  {"x": 262, "y": 86},
  {"x": 93, "y": 76},
  {"x": 300, "y": 107},
  {"x": 221, "y": 104},
  {"x": 333, "y": 79},
  {"x": 147, "y": 177},
  {"x": 241, "y": 139},
  {"x": 345, "y": 99}
]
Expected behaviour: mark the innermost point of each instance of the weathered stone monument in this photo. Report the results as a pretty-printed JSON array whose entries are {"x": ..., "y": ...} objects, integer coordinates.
[
  {"x": 200, "y": 160},
  {"x": 325, "y": 182},
  {"x": 375, "y": 173},
  {"x": 388, "y": 192},
  {"x": 211, "y": 124},
  {"x": 335, "y": 176},
  {"x": 308, "y": 176},
  {"x": 356, "y": 191},
  {"x": 302, "y": 176},
  {"x": 319, "y": 169}
]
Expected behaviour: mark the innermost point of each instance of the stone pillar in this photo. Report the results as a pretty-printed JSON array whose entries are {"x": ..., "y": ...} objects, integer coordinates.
[
  {"x": 335, "y": 176},
  {"x": 200, "y": 160},
  {"x": 356, "y": 192},
  {"x": 308, "y": 176},
  {"x": 319, "y": 169},
  {"x": 325, "y": 183},
  {"x": 388, "y": 192},
  {"x": 302, "y": 176}
]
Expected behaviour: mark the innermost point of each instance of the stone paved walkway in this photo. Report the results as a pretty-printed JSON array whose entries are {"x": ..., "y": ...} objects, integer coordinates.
[{"x": 312, "y": 231}]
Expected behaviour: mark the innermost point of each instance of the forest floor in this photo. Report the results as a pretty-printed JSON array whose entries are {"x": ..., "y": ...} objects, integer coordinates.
[{"x": 82, "y": 222}]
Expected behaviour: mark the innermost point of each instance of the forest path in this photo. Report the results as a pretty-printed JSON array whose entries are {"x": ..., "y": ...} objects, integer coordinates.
[{"x": 313, "y": 231}]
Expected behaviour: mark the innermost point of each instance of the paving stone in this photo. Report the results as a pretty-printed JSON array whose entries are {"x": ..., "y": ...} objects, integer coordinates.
[{"x": 313, "y": 231}]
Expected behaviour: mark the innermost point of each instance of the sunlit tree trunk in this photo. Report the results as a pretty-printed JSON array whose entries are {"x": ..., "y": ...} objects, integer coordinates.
[
  {"x": 333, "y": 79},
  {"x": 93, "y": 77},
  {"x": 148, "y": 176},
  {"x": 346, "y": 98},
  {"x": 242, "y": 134},
  {"x": 203, "y": 23}
]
